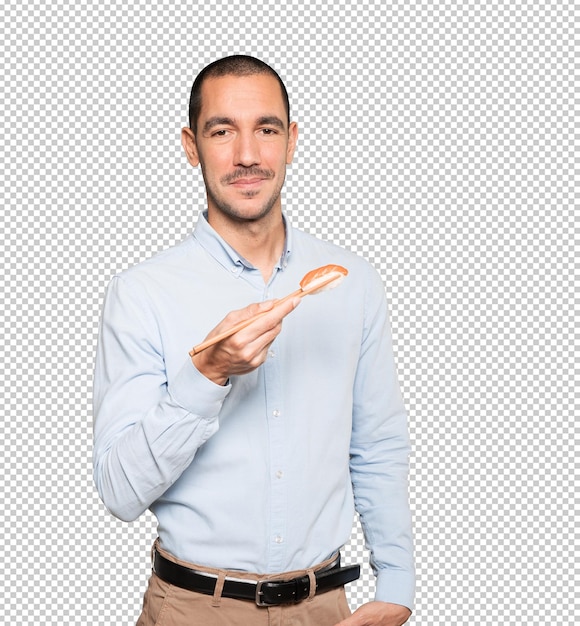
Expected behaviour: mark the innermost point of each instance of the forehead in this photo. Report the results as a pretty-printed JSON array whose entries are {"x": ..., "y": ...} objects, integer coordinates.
[{"x": 233, "y": 96}]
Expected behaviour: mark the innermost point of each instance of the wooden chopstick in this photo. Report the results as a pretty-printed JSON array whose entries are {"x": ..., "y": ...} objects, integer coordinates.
[
  {"x": 300, "y": 293},
  {"x": 240, "y": 325}
]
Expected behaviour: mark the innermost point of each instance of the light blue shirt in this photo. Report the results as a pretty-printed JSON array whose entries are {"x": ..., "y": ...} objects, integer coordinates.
[{"x": 262, "y": 474}]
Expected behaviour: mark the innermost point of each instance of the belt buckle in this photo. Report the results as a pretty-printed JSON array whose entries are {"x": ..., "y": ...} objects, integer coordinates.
[
  {"x": 259, "y": 593},
  {"x": 299, "y": 592}
]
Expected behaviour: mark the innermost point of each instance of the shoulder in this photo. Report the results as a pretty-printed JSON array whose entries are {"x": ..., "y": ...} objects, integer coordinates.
[
  {"x": 161, "y": 265},
  {"x": 154, "y": 278}
]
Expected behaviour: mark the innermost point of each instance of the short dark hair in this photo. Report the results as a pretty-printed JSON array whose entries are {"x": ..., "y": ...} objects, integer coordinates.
[{"x": 235, "y": 65}]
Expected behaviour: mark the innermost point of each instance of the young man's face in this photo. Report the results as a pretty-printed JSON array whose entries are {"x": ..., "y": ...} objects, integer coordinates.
[{"x": 243, "y": 144}]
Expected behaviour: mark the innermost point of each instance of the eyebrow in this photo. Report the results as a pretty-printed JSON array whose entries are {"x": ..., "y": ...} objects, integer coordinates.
[
  {"x": 271, "y": 120},
  {"x": 265, "y": 120},
  {"x": 217, "y": 121}
]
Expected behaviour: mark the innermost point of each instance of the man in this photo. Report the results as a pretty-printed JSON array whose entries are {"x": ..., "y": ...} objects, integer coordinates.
[{"x": 254, "y": 452}]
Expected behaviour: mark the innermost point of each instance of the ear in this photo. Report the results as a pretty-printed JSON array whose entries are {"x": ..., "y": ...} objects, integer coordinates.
[
  {"x": 292, "y": 139},
  {"x": 190, "y": 146}
]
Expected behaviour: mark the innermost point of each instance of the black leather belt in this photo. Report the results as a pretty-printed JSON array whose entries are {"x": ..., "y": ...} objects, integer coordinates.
[{"x": 262, "y": 592}]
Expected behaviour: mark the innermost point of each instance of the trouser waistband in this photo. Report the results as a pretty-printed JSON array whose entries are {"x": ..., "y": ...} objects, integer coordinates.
[{"x": 264, "y": 591}]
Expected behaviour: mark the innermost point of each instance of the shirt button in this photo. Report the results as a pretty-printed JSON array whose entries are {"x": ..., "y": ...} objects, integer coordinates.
[
  {"x": 278, "y": 539},
  {"x": 276, "y": 413},
  {"x": 279, "y": 474},
  {"x": 271, "y": 354}
]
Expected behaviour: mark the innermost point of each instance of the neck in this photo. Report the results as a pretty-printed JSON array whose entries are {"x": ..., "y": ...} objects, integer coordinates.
[{"x": 261, "y": 242}]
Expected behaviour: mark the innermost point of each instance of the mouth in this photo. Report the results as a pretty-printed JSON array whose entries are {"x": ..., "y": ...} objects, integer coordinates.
[
  {"x": 246, "y": 178},
  {"x": 247, "y": 183}
]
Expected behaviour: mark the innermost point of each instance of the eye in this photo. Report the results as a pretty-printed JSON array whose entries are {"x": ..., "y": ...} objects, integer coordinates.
[
  {"x": 220, "y": 133},
  {"x": 269, "y": 131}
]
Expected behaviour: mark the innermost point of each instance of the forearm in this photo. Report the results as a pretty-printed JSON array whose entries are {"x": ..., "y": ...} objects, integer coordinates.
[
  {"x": 381, "y": 498},
  {"x": 145, "y": 459},
  {"x": 148, "y": 421}
]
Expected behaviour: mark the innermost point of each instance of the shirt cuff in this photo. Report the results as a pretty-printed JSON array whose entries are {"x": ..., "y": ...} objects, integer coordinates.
[
  {"x": 396, "y": 586},
  {"x": 196, "y": 393}
]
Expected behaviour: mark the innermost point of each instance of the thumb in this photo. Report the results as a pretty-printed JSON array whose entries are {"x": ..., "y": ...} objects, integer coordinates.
[
  {"x": 351, "y": 620},
  {"x": 256, "y": 308}
]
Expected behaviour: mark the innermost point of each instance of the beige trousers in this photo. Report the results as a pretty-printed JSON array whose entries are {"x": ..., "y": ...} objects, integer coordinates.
[{"x": 167, "y": 605}]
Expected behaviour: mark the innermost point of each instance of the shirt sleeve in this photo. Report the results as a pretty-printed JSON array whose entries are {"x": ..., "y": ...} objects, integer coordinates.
[
  {"x": 147, "y": 429},
  {"x": 379, "y": 461}
]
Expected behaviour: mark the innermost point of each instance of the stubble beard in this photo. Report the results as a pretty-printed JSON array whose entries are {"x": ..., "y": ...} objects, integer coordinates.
[{"x": 236, "y": 213}]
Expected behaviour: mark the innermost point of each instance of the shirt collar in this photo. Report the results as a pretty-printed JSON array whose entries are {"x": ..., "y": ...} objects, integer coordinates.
[{"x": 220, "y": 250}]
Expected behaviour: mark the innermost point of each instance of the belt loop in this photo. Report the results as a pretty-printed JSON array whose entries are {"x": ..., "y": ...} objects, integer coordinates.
[
  {"x": 219, "y": 586},
  {"x": 154, "y": 550},
  {"x": 312, "y": 578}
]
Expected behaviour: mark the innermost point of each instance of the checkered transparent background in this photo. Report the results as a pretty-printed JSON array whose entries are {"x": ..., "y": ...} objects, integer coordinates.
[{"x": 437, "y": 140}]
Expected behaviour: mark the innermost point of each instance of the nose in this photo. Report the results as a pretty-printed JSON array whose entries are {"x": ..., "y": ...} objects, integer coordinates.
[{"x": 247, "y": 150}]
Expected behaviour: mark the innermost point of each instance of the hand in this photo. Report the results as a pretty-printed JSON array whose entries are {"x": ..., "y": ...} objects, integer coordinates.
[
  {"x": 247, "y": 349},
  {"x": 378, "y": 614}
]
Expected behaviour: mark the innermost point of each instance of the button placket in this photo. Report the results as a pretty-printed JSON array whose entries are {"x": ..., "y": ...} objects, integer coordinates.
[{"x": 277, "y": 454}]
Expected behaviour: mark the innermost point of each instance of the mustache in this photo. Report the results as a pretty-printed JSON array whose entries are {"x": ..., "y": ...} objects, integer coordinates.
[{"x": 247, "y": 172}]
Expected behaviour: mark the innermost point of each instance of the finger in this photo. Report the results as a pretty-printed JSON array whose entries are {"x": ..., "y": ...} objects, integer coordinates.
[
  {"x": 278, "y": 311},
  {"x": 239, "y": 315},
  {"x": 243, "y": 350},
  {"x": 251, "y": 343},
  {"x": 267, "y": 325},
  {"x": 231, "y": 324}
]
